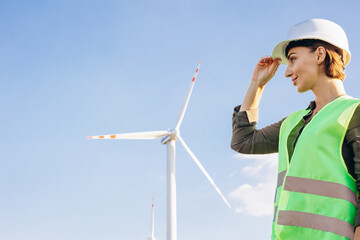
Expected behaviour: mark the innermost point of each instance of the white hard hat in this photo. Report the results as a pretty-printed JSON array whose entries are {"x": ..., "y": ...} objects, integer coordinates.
[{"x": 321, "y": 29}]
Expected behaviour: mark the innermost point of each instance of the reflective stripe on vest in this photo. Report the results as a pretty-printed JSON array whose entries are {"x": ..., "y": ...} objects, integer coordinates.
[
  {"x": 322, "y": 188},
  {"x": 280, "y": 181},
  {"x": 281, "y": 177},
  {"x": 315, "y": 221}
]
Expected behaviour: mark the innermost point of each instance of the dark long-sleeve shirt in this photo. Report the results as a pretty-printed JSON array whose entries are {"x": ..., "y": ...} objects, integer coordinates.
[{"x": 249, "y": 140}]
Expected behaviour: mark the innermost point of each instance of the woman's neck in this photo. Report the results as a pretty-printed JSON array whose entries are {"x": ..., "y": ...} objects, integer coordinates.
[{"x": 326, "y": 90}]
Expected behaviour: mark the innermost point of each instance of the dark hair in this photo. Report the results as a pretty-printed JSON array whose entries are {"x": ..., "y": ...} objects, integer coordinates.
[{"x": 333, "y": 65}]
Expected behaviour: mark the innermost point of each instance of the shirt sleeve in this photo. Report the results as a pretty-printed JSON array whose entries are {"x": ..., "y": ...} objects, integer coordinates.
[
  {"x": 352, "y": 138},
  {"x": 249, "y": 140}
]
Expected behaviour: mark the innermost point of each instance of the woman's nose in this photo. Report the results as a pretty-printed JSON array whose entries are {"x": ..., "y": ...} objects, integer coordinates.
[{"x": 288, "y": 72}]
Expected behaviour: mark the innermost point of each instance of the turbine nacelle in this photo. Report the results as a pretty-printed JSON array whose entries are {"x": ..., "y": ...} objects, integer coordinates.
[{"x": 173, "y": 135}]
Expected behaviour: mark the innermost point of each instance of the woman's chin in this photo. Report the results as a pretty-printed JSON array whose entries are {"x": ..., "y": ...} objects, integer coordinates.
[{"x": 301, "y": 90}]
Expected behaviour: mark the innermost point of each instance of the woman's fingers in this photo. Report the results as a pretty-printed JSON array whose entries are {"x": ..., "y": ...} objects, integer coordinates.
[
  {"x": 275, "y": 65},
  {"x": 267, "y": 61},
  {"x": 265, "y": 70}
]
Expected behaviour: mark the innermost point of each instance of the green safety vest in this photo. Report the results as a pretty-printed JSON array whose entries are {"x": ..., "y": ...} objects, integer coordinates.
[{"x": 316, "y": 197}]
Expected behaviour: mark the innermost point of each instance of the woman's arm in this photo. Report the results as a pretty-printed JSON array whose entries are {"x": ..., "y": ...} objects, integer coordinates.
[
  {"x": 245, "y": 137},
  {"x": 249, "y": 140}
]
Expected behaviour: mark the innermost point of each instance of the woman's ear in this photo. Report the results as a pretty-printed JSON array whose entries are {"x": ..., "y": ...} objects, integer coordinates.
[{"x": 320, "y": 53}]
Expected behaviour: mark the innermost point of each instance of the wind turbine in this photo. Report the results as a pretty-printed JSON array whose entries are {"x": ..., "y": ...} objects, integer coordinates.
[
  {"x": 152, "y": 222},
  {"x": 169, "y": 137}
]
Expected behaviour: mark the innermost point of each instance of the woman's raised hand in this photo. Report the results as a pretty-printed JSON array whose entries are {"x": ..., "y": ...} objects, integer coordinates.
[{"x": 264, "y": 70}]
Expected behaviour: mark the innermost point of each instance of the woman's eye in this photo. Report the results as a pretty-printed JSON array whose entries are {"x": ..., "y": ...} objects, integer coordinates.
[{"x": 292, "y": 59}]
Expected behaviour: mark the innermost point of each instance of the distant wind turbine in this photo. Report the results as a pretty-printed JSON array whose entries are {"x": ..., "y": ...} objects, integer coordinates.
[
  {"x": 169, "y": 137},
  {"x": 152, "y": 222}
]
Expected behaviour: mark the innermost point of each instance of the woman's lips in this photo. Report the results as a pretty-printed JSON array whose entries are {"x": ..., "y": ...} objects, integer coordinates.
[{"x": 294, "y": 81}]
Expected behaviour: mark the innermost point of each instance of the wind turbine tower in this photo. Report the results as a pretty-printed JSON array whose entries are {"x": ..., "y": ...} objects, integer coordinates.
[
  {"x": 152, "y": 222},
  {"x": 169, "y": 137}
]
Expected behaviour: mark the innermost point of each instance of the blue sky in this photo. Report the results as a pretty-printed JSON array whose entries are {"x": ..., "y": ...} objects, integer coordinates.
[{"x": 71, "y": 69}]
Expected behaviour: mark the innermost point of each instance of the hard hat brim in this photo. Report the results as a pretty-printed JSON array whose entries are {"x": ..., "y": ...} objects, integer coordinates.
[{"x": 279, "y": 52}]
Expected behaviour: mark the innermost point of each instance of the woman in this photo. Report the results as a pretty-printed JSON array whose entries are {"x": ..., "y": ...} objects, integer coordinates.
[{"x": 319, "y": 147}]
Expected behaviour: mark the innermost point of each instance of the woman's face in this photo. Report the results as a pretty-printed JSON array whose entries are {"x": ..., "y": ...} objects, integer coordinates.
[{"x": 303, "y": 68}]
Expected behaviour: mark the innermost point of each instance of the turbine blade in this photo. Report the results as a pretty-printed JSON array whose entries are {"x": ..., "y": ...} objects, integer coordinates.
[
  {"x": 203, "y": 169},
  {"x": 136, "y": 135},
  {"x": 185, "y": 102}
]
